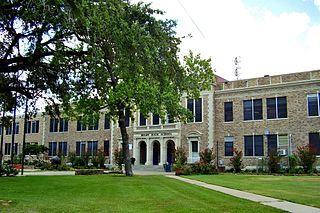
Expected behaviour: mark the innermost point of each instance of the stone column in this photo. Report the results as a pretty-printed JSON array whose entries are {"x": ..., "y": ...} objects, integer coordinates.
[
  {"x": 149, "y": 152},
  {"x": 135, "y": 151},
  {"x": 163, "y": 151}
]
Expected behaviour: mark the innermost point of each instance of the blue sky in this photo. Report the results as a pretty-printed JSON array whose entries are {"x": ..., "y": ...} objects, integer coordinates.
[{"x": 270, "y": 36}]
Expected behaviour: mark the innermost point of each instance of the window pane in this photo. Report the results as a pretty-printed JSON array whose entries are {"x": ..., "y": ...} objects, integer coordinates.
[
  {"x": 142, "y": 120},
  {"x": 198, "y": 110},
  {"x": 78, "y": 148},
  {"x": 228, "y": 111},
  {"x": 63, "y": 125},
  {"x": 106, "y": 122},
  {"x": 271, "y": 108},
  {"x": 282, "y": 107},
  {"x": 313, "y": 109},
  {"x": 194, "y": 146},
  {"x": 106, "y": 148},
  {"x": 247, "y": 110},
  {"x": 258, "y": 145},
  {"x": 127, "y": 119},
  {"x": 272, "y": 144},
  {"x": 257, "y": 106},
  {"x": 228, "y": 146},
  {"x": 248, "y": 145},
  {"x": 283, "y": 142},
  {"x": 314, "y": 141},
  {"x": 155, "y": 119},
  {"x": 190, "y": 103}
]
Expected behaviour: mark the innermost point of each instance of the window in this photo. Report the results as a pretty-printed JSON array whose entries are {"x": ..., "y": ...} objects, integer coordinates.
[
  {"x": 314, "y": 141},
  {"x": 52, "y": 148},
  {"x": 195, "y": 148},
  {"x": 9, "y": 129},
  {"x": 106, "y": 148},
  {"x": 54, "y": 125},
  {"x": 253, "y": 145},
  {"x": 170, "y": 119},
  {"x": 252, "y": 109},
  {"x": 277, "y": 107},
  {"x": 228, "y": 111},
  {"x": 80, "y": 148},
  {"x": 314, "y": 104},
  {"x": 32, "y": 127},
  {"x": 93, "y": 125},
  {"x": 228, "y": 146},
  {"x": 92, "y": 148},
  {"x": 80, "y": 125},
  {"x": 127, "y": 119},
  {"x": 106, "y": 122},
  {"x": 142, "y": 120},
  {"x": 155, "y": 120},
  {"x": 7, "y": 148},
  {"x": 278, "y": 143},
  {"x": 1, "y": 129},
  {"x": 63, "y": 125},
  {"x": 63, "y": 148},
  {"x": 195, "y": 106}
]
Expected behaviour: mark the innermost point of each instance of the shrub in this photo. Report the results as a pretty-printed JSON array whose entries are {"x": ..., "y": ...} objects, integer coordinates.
[
  {"x": 79, "y": 162},
  {"x": 203, "y": 168},
  {"x": 101, "y": 158},
  {"x": 236, "y": 161},
  {"x": 307, "y": 156},
  {"x": 72, "y": 157},
  {"x": 8, "y": 170},
  {"x": 207, "y": 156},
  {"x": 293, "y": 162},
  {"x": 118, "y": 157},
  {"x": 89, "y": 171},
  {"x": 273, "y": 161},
  {"x": 181, "y": 156}
]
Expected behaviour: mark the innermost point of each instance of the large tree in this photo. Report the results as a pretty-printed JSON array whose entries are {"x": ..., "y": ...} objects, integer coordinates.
[
  {"x": 133, "y": 66},
  {"x": 32, "y": 32}
]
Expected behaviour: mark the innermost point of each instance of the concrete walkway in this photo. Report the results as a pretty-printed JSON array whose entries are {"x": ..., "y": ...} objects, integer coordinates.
[{"x": 276, "y": 203}]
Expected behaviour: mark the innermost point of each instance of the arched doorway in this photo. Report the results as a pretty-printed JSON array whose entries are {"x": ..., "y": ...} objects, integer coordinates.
[
  {"x": 170, "y": 152},
  {"x": 156, "y": 153},
  {"x": 143, "y": 153}
]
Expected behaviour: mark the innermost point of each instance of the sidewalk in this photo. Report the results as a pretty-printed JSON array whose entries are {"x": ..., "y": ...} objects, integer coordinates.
[{"x": 273, "y": 202}]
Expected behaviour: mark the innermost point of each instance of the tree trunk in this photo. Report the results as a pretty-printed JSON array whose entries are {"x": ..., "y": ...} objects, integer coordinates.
[{"x": 125, "y": 141}]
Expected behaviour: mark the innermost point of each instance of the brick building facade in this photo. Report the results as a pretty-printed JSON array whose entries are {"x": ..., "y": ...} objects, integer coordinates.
[{"x": 254, "y": 115}]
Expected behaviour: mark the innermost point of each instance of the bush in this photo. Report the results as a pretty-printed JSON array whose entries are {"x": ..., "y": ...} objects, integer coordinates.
[
  {"x": 307, "y": 156},
  {"x": 273, "y": 161},
  {"x": 207, "y": 156},
  {"x": 8, "y": 170},
  {"x": 118, "y": 158},
  {"x": 293, "y": 162},
  {"x": 79, "y": 162},
  {"x": 181, "y": 156},
  {"x": 203, "y": 168},
  {"x": 236, "y": 161},
  {"x": 72, "y": 157},
  {"x": 89, "y": 171}
]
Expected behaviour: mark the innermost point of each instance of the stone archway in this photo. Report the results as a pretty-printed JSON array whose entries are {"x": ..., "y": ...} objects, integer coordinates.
[
  {"x": 156, "y": 153},
  {"x": 170, "y": 152},
  {"x": 143, "y": 153}
]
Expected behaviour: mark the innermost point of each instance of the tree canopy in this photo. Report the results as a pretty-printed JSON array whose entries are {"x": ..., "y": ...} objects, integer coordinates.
[
  {"x": 134, "y": 66},
  {"x": 31, "y": 34}
]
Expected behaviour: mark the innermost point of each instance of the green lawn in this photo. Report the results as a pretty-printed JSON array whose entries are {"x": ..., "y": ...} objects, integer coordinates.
[
  {"x": 299, "y": 189},
  {"x": 114, "y": 194}
]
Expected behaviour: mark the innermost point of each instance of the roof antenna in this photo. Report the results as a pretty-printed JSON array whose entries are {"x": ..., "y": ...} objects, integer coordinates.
[{"x": 237, "y": 61}]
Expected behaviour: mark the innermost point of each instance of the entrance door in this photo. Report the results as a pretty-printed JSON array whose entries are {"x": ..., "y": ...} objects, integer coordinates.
[
  {"x": 170, "y": 152},
  {"x": 156, "y": 153},
  {"x": 143, "y": 153}
]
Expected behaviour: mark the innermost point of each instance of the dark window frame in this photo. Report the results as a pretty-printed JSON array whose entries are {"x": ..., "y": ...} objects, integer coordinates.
[
  {"x": 252, "y": 109},
  {"x": 313, "y": 108},
  {"x": 251, "y": 146},
  {"x": 228, "y": 111},
  {"x": 277, "y": 107}
]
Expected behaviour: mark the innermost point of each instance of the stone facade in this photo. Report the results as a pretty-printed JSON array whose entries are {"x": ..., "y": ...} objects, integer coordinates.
[{"x": 155, "y": 144}]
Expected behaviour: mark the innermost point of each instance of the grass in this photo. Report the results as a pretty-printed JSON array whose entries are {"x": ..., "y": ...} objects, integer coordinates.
[
  {"x": 299, "y": 189},
  {"x": 104, "y": 193}
]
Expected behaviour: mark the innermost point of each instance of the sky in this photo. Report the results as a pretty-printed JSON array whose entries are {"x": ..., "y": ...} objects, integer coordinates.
[{"x": 271, "y": 37}]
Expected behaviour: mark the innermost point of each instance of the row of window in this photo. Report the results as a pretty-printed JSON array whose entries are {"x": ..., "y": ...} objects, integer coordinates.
[
  {"x": 253, "y": 109},
  {"x": 254, "y": 144},
  {"x": 276, "y": 108},
  {"x": 82, "y": 147},
  {"x": 31, "y": 127}
]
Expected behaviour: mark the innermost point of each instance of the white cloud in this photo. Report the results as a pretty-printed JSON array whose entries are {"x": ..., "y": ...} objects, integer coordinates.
[
  {"x": 267, "y": 43},
  {"x": 317, "y": 3}
]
